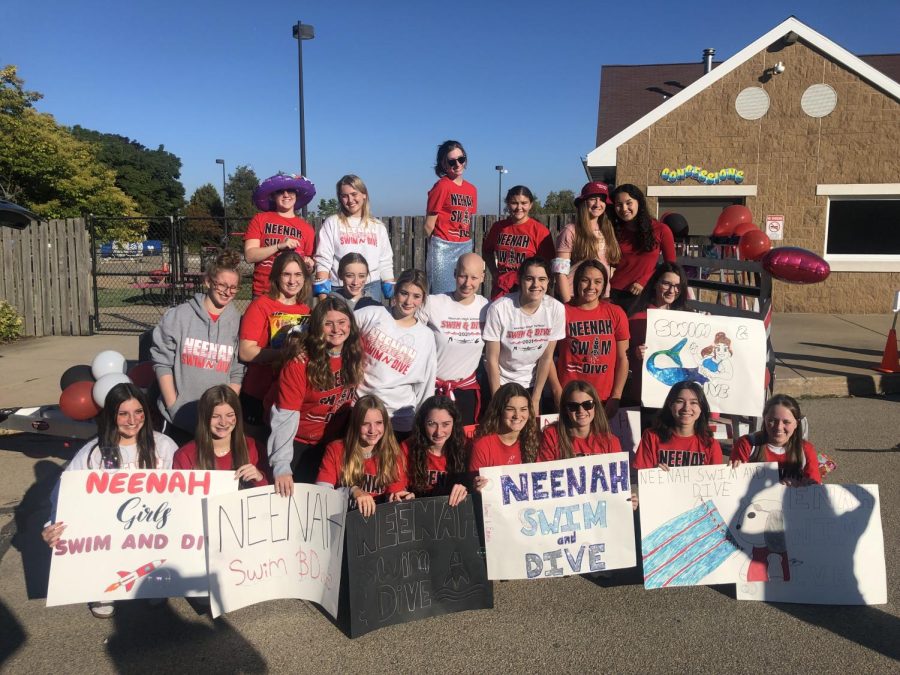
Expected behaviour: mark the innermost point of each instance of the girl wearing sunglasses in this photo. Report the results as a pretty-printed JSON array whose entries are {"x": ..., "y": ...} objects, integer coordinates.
[
  {"x": 582, "y": 428},
  {"x": 452, "y": 203}
]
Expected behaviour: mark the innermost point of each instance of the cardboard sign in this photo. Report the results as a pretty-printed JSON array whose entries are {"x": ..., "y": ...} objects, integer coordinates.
[
  {"x": 726, "y": 355},
  {"x": 263, "y": 546},
  {"x": 552, "y": 519},
  {"x": 775, "y": 227},
  {"x": 821, "y": 544},
  {"x": 132, "y": 534},
  {"x": 687, "y": 521},
  {"x": 413, "y": 560}
]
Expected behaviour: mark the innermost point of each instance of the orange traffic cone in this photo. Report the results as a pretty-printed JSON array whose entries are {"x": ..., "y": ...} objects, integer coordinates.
[{"x": 890, "y": 363}]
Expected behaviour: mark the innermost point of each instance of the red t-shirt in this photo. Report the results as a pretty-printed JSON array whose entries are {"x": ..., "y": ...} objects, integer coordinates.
[
  {"x": 318, "y": 409},
  {"x": 508, "y": 244},
  {"x": 588, "y": 352},
  {"x": 270, "y": 229},
  {"x": 491, "y": 451},
  {"x": 436, "y": 467},
  {"x": 592, "y": 445},
  {"x": 186, "y": 459},
  {"x": 455, "y": 207},
  {"x": 637, "y": 265},
  {"x": 266, "y": 321},
  {"x": 744, "y": 448},
  {"x": 333, "y": 464},
  {"x": 677, "y": 451}
]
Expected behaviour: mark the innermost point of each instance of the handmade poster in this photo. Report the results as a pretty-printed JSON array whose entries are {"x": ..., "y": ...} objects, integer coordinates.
[
  {"x": 263, "y": 546},
  {"x": 413, "y": 560},
  {"x": 280, "y": 325},
  {"x": 725, "y": 355},
  {"x": 132, "y": 534},
  {"x": 553, "y": 519},
  {"x": 626, "y": 426},
  {"x": 689, "y": 521},
  {"x": 821, "y": 544}
]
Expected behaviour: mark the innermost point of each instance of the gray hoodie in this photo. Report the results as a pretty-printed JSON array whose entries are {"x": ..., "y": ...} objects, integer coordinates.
[{"x": 198, "y": 352}]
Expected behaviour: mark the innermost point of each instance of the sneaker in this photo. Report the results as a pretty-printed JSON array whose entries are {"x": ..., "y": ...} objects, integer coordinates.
[{"x": 102, "y": 610}]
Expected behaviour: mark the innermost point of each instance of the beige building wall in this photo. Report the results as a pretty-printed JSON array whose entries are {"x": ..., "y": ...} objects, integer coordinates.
[{"x": 785, "y": 154}]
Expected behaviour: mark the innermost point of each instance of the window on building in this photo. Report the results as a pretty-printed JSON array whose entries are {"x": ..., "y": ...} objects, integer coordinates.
[
  {"x": 864, "y": 227},
  {"x": 701, "y": 213}
]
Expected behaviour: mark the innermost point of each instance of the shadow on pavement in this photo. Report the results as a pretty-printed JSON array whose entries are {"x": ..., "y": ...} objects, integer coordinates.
[
  {"x": 38, "y": 446},
  {"x": 12, "y": 635},
  {"x": 30, "y": 515}
]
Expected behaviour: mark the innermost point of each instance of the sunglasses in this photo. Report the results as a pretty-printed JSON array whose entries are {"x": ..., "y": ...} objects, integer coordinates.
[
  {"x": 573, "y": 406},
  {"x": 453, "y": 161}
]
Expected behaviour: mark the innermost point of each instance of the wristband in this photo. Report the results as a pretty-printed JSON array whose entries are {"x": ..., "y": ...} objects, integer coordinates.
[
  {"x": 387, "y": 289},
  {"x": 560, "y": 265},
  {"x": 322, "y": 287}
]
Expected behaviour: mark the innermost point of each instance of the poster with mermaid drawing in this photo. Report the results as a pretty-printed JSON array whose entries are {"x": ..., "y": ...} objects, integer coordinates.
[{"x": 725, "y": 355}]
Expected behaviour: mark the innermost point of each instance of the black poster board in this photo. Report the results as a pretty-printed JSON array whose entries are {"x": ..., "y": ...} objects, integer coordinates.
[{"x": 413, "y": 560}]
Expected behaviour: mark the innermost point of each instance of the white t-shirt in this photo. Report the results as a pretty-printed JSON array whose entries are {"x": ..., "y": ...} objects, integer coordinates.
[
  {"x": 335, "y": 240},
  {"x": 457, "y": 333},
  {"x": 165, "y": 451},
  {"x": 523, "y": 337},
  {"x": 400, "y": 364}
]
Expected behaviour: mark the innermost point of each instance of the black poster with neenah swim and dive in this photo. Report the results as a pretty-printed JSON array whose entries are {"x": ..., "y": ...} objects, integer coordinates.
[{"x": 413, "y": 560}]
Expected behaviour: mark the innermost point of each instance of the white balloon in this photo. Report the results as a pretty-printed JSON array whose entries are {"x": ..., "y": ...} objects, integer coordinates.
[
  {"x": 108, "y": 362},
  {"x": 104, "y": 384}
]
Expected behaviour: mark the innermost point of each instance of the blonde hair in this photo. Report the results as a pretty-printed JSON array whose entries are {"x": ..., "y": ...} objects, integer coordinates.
[
  {"x": 386, "y": 451},
  {"x": 355, "y": 182},
  {"x": 585, "y": 245}
]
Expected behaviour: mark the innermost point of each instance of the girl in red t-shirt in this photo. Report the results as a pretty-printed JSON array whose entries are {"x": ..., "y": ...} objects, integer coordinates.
[
  {"x": 508, "y": 433},
  {"x": 582, "y": 428},
  {"x": 264, "y": 326},
  {"x": 219, "y": 443},
  {"x": 680, "y": 434},
  {"x": 367, "y": 460},
  {"x": 435, "y": 453},
  {"x": 781, "y": 440},
  {"x": 316, "y": 386}
]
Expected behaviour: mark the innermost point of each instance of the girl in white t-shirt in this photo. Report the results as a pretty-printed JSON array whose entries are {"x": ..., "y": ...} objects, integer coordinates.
[
  {"x": 354, "y": 230},
  {"x": 521, "y": 330},
  {"x": 124, "y": 441}
]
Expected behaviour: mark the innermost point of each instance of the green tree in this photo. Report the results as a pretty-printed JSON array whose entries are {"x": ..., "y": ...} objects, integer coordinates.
[
  {"x": 48, "y": 170},
  {"x": 150, "y": 177},
  {"x": 326, "y": 207},
  {"x": 559, "y": 202},
  {"x": 239, "y": 195},
  {"x": 204, "y": 216}
]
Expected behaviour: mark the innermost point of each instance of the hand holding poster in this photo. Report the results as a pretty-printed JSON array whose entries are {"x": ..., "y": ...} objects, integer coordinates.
[
  {"x": 558, "y": 518},
  {"x": 132, "y": 534},
  {"x": 263, "y": 546},
  {"x": 726, "y": 355}
]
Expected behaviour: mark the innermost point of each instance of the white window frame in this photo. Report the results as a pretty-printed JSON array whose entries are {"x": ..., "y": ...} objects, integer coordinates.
[{"x": 857, "y": 192}]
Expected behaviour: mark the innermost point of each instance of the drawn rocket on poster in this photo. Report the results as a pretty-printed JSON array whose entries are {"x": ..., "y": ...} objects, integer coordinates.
[{"x": 127, "y": 579}]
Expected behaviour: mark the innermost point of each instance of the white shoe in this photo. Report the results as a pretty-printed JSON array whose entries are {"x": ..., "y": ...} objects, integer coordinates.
[{"x": 102, "y": 610}]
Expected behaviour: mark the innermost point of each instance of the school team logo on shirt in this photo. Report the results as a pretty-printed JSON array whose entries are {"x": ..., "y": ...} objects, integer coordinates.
[
  {"x": 437, "y": 478},
  {"x": 278, "y": 234},
  {"x": 528, "y": 339},
  {"x": 462, "y": 331},
  {"x": 461, "y": 217},
  {"x": 358, "y": 238},
  {"x": 587, "y": 351},
  {"x": 681, "y": 458},
  {"x": 506, "y": 257},
  {"x": 397, "y": 354},
  {"x": 207, "y": 355}
]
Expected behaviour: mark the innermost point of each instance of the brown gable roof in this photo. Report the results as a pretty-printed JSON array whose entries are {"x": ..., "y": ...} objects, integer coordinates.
[{"x": 627, "y": 93}]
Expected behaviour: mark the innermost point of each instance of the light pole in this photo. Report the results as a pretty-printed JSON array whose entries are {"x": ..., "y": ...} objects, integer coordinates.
[
  {"x": 224, "y": 207},
  {"x": 500, "y": 172},
  {"x": 302, "y": 32}
]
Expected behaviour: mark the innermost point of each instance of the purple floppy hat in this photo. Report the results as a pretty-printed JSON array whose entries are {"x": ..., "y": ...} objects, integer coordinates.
[{"x": 283, "y": 181}]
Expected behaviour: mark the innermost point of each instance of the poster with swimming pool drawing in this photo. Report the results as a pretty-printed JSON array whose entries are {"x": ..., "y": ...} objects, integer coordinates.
[{"x": 725, "y": 355}]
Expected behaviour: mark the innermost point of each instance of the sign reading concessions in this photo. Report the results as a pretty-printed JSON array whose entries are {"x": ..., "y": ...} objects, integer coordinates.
[
  {"x": 263, "y": 546},
  {"x": 688, "y": 521},
  {"x": 132, "y": 534},
  {"x": 413, "y": 560},
  {"x": 554, "y": 519},
  {"x": 821, "y": 544},
  {"x": 726, "y": 355}
]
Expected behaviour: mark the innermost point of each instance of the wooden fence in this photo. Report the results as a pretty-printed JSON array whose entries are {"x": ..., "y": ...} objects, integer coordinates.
[{"x": 46, "y": 276}]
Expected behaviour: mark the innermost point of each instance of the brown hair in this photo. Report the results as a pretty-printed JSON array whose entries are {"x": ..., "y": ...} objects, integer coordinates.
[
  {"x": 221, "y": 394},
  {"x": 226, "y": 260},
  {"x": 529, "y": 437},
  {"x": 720, "y": 339},
  {"x": 599, "y": 425},
  {"x": 585, "y": 245},
  {"x": 281, "y": 261},
  {"x": 386, "y": 451},
  {"x": 794, "y": 448},
  {"x": 592, "y": 264},
  {"x": 454, "y": 447}
]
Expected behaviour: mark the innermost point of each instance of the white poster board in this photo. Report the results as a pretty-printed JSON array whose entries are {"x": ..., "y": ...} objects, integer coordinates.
[
  {"x": 726, "y": 355},
  {"x": 132, "y": 534},
  {"x": 832, "y": 552},
  {"x": 263, "y": 547},
  {"x": 687, "y": 517},
  {"x": 553, "y": 519}
]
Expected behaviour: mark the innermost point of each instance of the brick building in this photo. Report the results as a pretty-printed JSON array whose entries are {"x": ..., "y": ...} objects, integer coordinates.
[{"x": 791, "y": 125}]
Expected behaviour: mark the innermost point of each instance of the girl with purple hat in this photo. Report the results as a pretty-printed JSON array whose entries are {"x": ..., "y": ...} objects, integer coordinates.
[
  {"x": 452, "y": 203},
  {"x": 278, "y": 228},
  {"x": 590, "y": 237}
]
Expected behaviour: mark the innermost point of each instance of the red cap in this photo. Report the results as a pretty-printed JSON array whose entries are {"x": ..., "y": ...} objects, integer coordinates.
[{"x": 592, "y": 190}]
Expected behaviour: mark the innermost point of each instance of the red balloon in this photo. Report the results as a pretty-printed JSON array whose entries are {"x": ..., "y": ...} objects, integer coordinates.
[
  {"x": 77, "y": 401},
  {"x": 796, "y": 265},
  {"x": 743, "y": 228},
  {"x": 754, "y": 244},
  {"x": 142, "y": 374},
  {"x": 731, "y": 217}
]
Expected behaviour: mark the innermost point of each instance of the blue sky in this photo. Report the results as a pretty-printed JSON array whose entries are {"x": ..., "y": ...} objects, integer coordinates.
[{"x": 385, "y": 82}]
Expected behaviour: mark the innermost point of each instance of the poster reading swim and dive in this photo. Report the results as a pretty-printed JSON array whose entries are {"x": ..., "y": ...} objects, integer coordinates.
[
  {"x": 132, "y": 534},
  {"x": 725, "y": 355}
]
